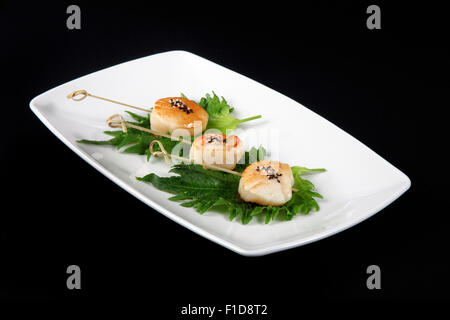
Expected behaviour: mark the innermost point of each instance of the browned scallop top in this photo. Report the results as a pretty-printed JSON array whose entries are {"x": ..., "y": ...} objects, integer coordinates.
[
  {"x": 265, "y": 171},
  {"x": 182, "y": 108},
  {"x": 219, "y": 138}
]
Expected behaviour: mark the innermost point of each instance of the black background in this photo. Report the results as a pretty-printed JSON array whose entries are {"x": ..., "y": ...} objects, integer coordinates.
[{"x": 388, "y": 88}]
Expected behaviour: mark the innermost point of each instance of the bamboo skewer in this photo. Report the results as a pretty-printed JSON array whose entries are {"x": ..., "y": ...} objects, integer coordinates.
[
  {"x": 167, "y": 155},
  {"x": 114, "y": 123},
  {"x": 85, "y": 94},
  {"x": 117, "y": 121}
]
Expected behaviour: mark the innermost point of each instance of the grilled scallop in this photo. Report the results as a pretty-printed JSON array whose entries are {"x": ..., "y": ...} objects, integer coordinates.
[
  {"x": 268, "y": 183},
  {"x": 217, "y": 149},
  {"x": 170, "y": 114}
]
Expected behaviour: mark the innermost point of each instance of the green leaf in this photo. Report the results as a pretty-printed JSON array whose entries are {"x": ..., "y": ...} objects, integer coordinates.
[
  {"x": 204, "y": 189},
  {"x": 249, "y": 157},
  {"x": 129, "y": 138},
  {"x": 207, "y": 189},
  {"x": 138, "y": 148},
  {"x": 142, "y": 121},
  {"x": 106, "y": 142},
  {"x": 219, "y": 113},
  {"x": 135, "y": 141},
  {"x": 303, "y": 170}
]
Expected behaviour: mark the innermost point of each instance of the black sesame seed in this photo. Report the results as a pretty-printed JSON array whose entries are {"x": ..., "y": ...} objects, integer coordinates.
[{"x": 180, "y": 105}]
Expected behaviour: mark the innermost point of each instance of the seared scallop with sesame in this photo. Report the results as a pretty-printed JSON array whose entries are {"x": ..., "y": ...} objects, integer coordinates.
[
  {"x": 217, "y": 149},
  {"x": 268, "y": 183},
  {"x": 170, "y": 114}
]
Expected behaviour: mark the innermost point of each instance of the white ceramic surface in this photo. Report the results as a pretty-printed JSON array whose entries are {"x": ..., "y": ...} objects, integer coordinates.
[{"x": 358, "y": 182}]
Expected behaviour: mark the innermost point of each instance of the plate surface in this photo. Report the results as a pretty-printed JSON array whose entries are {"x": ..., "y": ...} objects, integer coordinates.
[{"x": 358, "y": 183}]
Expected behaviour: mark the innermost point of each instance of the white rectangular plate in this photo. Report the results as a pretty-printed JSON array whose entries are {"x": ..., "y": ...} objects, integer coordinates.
[{"x": 358, "y": 182}]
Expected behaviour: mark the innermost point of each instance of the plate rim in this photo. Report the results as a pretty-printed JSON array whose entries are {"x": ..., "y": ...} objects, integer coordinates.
[{"x": 406, "y": 182}]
